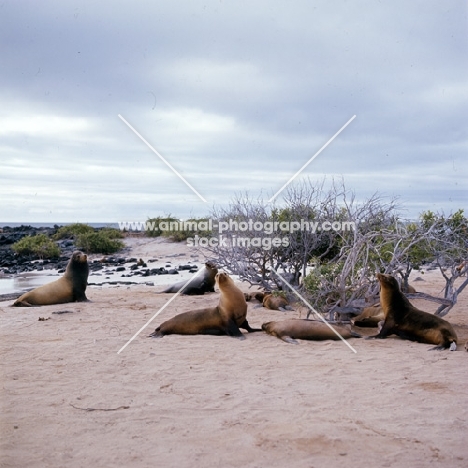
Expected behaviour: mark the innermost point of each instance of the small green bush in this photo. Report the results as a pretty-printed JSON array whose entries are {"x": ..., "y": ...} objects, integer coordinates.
[
  {"x": 175, "y": 235},
  {"x": 184, "y": 234},
  {"x": 40, "y": 245},
  {"x": 155, "y": 223},
  {"x": 277, "y": 293},
  {"x": 72, "y": 231},
  {"x": 112, "y": 233},
  {"x": 98, "y": 242}
]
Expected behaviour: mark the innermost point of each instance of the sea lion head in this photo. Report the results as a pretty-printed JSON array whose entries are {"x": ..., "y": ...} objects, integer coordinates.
[
  {"x": 79, "y": 257},
  {"x": 266, "y": 326},
  {"x": 78, "y": 266},
  {"x": 222, "y": 278},
  {"x": 211, "y": 265},
  {"x": 387, "y": 281}
]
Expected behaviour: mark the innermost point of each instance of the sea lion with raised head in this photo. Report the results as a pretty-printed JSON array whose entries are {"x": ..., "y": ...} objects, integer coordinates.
[
  {"x": 71, "y": 287},
  {"x": 224, "y": 319},
  {"x": 198, "y": 286},
  {"x": 303, "y": 329},
  {"x": 408, "y": 322}
]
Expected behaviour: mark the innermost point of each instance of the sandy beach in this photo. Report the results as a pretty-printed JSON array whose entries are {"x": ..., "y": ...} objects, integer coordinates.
[{"x": 69, "y": 399}]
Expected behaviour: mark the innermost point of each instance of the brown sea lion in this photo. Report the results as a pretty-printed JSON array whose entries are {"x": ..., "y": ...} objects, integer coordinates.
[
  {"x": 225, "y": 319},
  {"x": 254, "y": 296},
  {"x": 274, "y": 302},
  {"x": 70, "y": 287},
  {"x": 408, "y": 290},
  {"x": 406, "y": 321},
  {"x": 370, "y": 317},
  {"x": 304, "y": 329},
  {"x": 198, "y": 286}
]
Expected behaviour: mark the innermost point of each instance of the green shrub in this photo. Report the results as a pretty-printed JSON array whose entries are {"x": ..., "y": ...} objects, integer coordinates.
[
  {"x": 90, "y": 240},
  {"x": 40, "y": 245},
  {"x": 278, "y": 293},
  {"x": 155, "y": 230},
  {"x": 184, "y": 234},
  {"x": 161, "y": 227},
  {"x": 98, "y": 242},
  {"x": 112, "y": 233},
  {"x": 72, "y": 231},
  {"x": 322, "y": 275}
]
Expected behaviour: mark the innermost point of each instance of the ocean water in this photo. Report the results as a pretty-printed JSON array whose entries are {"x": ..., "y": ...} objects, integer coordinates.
[{"x": 24, "y": 281}]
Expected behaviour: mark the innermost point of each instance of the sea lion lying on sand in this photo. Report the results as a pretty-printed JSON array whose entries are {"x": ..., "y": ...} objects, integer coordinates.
[
  {"x": 274, "y": 302},
  {"x": 254, "y": 296},
  {"x": 198, "y": 286},
  {"x": 304, "y": 329},
  {"x": 224, "y": 319},
  {"x": 370, "y": 317}
]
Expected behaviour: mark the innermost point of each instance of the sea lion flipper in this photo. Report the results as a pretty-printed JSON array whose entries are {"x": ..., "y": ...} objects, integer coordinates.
[
  {"x": 437, "y": 348},
  {"x": 156, "y": 334},
  {"x": 354, "y": 334},
  {"x": 452, "y": 347},
  {"x": 82, "y": 299},
  {"x": 386, "y": 330},
  {"x": 233, "y": 330},
  {"x": 18, "y": 303},
  {"x": 245, "y": 325},
  {"x": 288, "y": 339},
  {"x": 375, "y": 337}
]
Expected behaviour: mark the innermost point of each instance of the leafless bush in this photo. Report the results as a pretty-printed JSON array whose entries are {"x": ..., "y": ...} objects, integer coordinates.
[{"x": 337, "y": 266}]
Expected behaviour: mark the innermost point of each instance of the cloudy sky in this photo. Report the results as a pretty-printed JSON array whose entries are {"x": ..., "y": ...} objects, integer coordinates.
[{"x": 235, "y": 95}]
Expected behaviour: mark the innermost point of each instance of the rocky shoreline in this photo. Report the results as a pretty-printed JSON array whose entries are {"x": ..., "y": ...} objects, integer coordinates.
[{"x": 12, "y": 263}]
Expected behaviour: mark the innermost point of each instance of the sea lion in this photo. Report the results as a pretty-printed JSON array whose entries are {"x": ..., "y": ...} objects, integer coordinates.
[
  {"x": 274, "y": 302},
  {"x": 408, "y": 290},
  {"x": 198, "y": 286},
  {"x": 225, "y": 319},
  {"x": 254, "y": 296},
  {"x": 369, "y": 317},
  {"x": 304, "y": 329},
  {"x": 406, "y": 321},
  {"x": 70, "y": 287}
]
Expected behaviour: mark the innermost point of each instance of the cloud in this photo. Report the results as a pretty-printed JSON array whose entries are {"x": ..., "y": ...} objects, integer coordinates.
[{"x": 235, "y": 96}]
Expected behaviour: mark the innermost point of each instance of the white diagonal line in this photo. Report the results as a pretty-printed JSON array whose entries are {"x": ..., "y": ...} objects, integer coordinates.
[
  {"x": 158, "y": 312},
  {"x": 160, "y": 157},
  {"x": 313, "y": 310},
  {"x": 311, "y": 159}
]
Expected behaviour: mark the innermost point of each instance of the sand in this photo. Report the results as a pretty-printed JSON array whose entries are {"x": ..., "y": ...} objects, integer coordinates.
[{"x": 68, "y": 399}]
